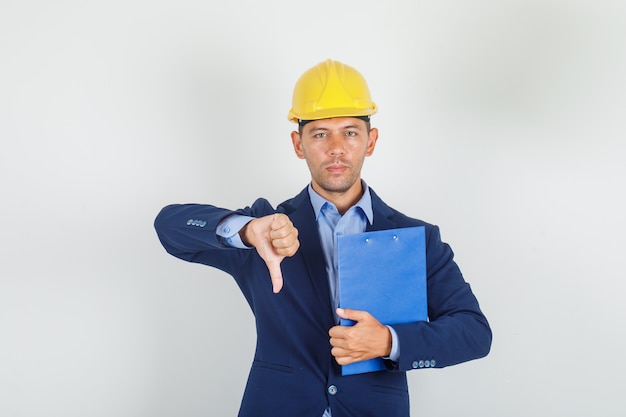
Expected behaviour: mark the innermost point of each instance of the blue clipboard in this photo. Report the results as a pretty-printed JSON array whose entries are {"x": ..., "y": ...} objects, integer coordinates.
[{"x": 384, "y": 273}]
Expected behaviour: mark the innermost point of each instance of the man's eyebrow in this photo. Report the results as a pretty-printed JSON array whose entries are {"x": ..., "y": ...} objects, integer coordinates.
[{"x": 325, "y": 129}]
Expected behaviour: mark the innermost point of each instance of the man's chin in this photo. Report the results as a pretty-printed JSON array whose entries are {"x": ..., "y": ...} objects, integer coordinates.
[{"x": 336, "y": 187}]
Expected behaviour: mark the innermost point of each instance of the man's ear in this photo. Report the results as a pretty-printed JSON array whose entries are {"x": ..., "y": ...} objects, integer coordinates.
[
  {"x": 296, "y": 140},
  {"x": 371, "y": 141}
]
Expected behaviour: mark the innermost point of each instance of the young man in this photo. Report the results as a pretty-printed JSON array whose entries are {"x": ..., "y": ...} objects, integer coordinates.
[{"x": 284, "y": 262}]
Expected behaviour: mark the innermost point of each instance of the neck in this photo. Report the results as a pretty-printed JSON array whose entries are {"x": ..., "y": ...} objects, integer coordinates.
[{"x": 341, "y": 200}]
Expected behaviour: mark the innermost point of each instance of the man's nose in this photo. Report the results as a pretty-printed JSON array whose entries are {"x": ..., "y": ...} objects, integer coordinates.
[{"x": 335, "y": 145}]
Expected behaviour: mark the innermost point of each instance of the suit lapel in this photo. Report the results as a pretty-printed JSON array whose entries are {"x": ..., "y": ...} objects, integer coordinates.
[
  {"x": 300, "y": 211},
  {"x": 382, "y": 215}
]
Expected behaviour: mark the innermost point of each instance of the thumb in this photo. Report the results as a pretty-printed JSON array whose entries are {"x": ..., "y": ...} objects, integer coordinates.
[
  {"x": 275, "y": 274},
  {"x": 354, "y": 315}
]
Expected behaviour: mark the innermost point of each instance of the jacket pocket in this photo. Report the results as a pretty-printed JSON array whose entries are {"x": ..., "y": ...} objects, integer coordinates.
[
  {"x": 273, "y": 366},
  {"x": 390, "y": 390}
]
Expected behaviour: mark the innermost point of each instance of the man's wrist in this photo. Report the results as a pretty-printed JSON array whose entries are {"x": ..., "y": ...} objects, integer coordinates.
[
  {"x": 244, "y": 236},
  {"x": 229, "y": 230},
  {"x": 394, "y": 354}
]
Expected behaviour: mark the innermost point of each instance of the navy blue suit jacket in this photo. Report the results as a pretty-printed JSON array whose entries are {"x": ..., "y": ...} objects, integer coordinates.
[{"x": 293, "y": 373}]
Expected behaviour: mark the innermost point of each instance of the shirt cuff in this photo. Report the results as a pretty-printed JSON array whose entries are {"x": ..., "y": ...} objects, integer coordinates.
[
  {"x": 395, "y": 346},
  {"x": 229, "y": 228}
]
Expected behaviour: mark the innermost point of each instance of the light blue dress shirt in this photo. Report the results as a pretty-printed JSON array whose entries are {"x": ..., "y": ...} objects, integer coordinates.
[{"x": 330, "y": 224}]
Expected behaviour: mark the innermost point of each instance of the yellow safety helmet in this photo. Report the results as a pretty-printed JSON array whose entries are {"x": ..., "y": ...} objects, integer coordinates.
[{"x": 330, "y": 89}]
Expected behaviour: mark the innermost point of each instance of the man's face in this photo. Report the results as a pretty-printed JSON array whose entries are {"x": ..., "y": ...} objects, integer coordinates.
[{"x": 334, "y": 150}]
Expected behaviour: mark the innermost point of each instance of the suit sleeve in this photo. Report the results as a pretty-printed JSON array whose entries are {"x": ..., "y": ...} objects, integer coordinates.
[
  {"x": 189, "y": 232},
  {"x": 457, "y": 330}
]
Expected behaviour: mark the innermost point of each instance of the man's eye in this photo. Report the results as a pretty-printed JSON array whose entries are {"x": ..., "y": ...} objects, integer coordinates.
[
  {"x": 320, "y": 135},
  {"x": 350, "y": 133}
]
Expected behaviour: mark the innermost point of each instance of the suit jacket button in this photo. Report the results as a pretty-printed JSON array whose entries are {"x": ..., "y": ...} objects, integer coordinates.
[
  {"x": 332, "y": 390},
  {"x": 415, "y": 365}
]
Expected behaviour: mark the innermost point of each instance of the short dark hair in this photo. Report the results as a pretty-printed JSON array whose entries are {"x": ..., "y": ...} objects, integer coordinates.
[{"x": 366, "y": 119}]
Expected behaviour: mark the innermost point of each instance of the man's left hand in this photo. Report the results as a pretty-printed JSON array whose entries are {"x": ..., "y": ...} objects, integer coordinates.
[{"x": 367, "y": 339}]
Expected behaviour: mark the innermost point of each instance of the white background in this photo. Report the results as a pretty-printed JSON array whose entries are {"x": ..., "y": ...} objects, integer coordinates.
[{"x": 501, "y": 121}]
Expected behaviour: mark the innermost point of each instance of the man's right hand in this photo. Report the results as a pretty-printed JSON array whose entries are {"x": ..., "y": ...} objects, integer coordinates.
[{"x": 274, "y": 238}]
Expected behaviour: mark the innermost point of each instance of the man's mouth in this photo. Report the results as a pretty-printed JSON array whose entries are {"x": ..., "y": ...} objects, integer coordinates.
[{"x": 336, "y": 168}]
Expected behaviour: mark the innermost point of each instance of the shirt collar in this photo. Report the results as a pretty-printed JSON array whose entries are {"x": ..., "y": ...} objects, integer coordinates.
[{"x": 365, "y": 203}]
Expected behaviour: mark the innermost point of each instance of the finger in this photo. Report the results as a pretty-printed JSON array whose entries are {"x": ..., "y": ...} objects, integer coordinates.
[
  {"x": 283, "y": 242},
  {"x": 288, "y": 250},
  {"x": 338, "y": 332},
  {"x": 278, "y": 221},
  {"x": 338, "y": 352},
  {"x": 342, "y": 357},
  {"x": 276, "y": 275},
  {"x": 339, "y": 343},
  {"x": 282, "y": 228},
  {"x": 345, "y": 360},
  {"x": 286, "y": 245}
]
